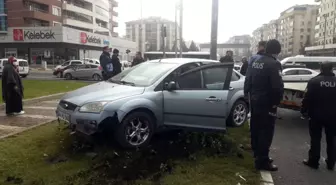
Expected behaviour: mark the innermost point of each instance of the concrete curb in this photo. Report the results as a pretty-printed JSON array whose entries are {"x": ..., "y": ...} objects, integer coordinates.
[
  {"x": 25, "y": 129},
  {"x": 37, "y": 100},
  {"x": 266, "y": 178}
]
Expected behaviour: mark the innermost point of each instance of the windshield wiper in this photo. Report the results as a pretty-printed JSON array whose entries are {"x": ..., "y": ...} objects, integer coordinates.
[{"x": 122, "y": 82}]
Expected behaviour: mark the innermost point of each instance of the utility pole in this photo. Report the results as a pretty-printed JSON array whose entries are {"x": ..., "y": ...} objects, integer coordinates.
[
  {"x": 176, "y": 27},
  {"x": 140, "y": 29},
  {"x": 214, "y": 30},
  {"x": 181, "y": 27},
  {"x": 325, "y": 27},
  {"x": 164, "y": 35}
]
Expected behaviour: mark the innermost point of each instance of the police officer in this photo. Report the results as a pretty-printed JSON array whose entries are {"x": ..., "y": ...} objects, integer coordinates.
[
  {"x": 265, "y": 87},
  {"x": 319, "y": 104}
]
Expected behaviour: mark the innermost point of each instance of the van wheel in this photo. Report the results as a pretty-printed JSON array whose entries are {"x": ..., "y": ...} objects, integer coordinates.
[
  {"x": 135, "y": 131},
  {"x": 68, "y": 76},
  {"x": 238, "y": 114},
  {"x": 96, "y": 77},
  {"x": 23, "y": 76}
]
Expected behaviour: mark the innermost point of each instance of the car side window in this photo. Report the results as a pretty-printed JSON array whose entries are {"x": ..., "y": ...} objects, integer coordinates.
[
  {"x": 180, "y": 71},
  {"x": 66, "y": 63},
  {"x": 214, "y": 78},
  {"x": 190, "y": 81},
  {"x": 304, "y": 72},
  {"x": 292, "y": 72},
  {"x": 94, "y": 66},
  {"x": 234, "y": 76}
]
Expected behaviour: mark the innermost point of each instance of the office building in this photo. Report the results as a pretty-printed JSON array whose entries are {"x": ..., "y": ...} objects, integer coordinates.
[
  {"x": 239, "y": 52},
  {"x": 147, "y": 33},
  {"x": 257, "y": 36},
  {"x": 325, "y": 24}
]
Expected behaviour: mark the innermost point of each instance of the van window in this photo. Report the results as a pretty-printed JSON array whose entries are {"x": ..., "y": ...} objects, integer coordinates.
[
  {"x": 4, "y": 62},
  {"x": 311, "y": 65},
  {"x": 23, "y": 63}
]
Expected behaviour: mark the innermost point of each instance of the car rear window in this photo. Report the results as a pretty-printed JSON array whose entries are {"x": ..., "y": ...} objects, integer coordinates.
[{"x": 23, "y": 63}]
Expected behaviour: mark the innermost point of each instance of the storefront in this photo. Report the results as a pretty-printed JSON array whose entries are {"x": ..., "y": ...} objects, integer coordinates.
[
  {"x": 57, "y": 44},
  {"x": 326, "y": 50}
]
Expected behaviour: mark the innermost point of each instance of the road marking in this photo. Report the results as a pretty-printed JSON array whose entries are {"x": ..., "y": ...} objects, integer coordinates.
[
  {"x": 40, "y": 107},
  {"x": 266, "y": 178},
  {"x": 6, "y": 127},
  {"x": 31, "y": 116}
]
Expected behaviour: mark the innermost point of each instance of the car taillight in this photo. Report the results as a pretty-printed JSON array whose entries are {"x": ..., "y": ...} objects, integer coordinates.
[{"x": 100, "y": 68}]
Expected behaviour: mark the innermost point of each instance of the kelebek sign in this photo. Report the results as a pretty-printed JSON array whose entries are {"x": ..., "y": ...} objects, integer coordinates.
[
  {"x": 85, "y": 38},
  {"x": 21, "y": 35}
]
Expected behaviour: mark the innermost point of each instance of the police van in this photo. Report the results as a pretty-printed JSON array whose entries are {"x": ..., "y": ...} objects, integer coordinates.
[
  {"x": 310, "y": 62},
  {"x": 23, "y": 66}
]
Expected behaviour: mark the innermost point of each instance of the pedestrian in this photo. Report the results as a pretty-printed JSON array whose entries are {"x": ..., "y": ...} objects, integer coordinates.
[
  {"x": 12, "y": 88},
  {"x": 116, "y": 62},
  {"x": 264, "y": 86},
  {"x": 106, "y": 63},
  {"x": 319, "y": 105},
  {"x": 138, "y": 59},
  {"x": 261, "y": 50},
  {"x": 243, "y": 68},
  {"x": 228, "y": 58}
]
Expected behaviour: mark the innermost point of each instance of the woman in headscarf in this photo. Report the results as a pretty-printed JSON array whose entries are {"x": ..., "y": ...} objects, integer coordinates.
[{"x": 12, "y": 88}]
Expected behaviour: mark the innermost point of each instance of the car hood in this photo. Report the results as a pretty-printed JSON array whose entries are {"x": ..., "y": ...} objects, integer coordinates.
[{"x": 103, "y": 91}]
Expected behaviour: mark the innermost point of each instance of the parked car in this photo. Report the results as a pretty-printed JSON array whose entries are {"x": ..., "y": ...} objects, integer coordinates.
[
  {"x": 68, "y": 63},
  {"x": 237, "y": 67},
  {"x": 158, "y": 94},
  {"x": 85, "y": 71},
  {"x": 23, "y": 66},
  {"x": 91, "y": 61},
  {"x": 59, "y": 73},
  {"x": 298, "y": 74}
]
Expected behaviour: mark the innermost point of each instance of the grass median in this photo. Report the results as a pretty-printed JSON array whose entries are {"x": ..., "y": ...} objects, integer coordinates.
[
  {"x": 38, "y": 88},
  {"x": 49, "y": 155}
]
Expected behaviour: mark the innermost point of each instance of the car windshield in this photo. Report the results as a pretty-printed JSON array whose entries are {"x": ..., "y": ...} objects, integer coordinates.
[{"x": 144, "y": 74}]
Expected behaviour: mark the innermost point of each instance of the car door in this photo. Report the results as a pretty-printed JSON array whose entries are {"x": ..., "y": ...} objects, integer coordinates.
[
  {"x": 83, "y": 71},
  {"x": 305, "y": 75},
  {"x": 291, "y": 75},
  {"x": 200, "y": 100},
  {"x": 77, "y": 70}
]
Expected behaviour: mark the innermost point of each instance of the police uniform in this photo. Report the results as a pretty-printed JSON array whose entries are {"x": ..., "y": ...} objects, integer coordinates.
[
  {"x": 319, "y": 104},
  {"x": 265, "y": 88}
]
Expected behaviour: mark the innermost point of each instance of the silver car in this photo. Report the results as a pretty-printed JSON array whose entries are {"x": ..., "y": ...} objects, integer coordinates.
[
  {"x": 158, "y": 94},
  {"x": 86, "y": 71}
]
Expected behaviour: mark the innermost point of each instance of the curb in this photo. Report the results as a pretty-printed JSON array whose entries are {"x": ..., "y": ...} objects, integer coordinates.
[
  {"x": 37, "y": 100},
  {"x": 25, "y": 129},
  {"x": 266, "y": 178}
]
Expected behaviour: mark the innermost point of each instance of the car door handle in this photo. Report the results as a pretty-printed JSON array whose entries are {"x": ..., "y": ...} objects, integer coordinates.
[
  {"x": 231, "y": 88},
  {"x": 213, "y": 98}
]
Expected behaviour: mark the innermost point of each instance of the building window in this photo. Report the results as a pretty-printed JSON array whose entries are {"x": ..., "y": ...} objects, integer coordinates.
[
  {"x": 56, "y": 23},
  {"x": 3, "y": 23},
  {"x": 56, "y": 11}
]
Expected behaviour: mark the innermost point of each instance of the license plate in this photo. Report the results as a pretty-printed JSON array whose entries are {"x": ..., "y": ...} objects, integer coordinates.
[
  {"x": 63, "y": 116},
  {"x": 22, "y": 69}
]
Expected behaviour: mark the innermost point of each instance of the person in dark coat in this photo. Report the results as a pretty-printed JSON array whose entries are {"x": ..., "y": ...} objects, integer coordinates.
[
  {"x": 116, "y": 62},
  {"x": 264, "y": 86},
  {"x": 138, "y": 59},
  {"x": 243, "y": 68},
  {"x": 319, "y": 105},
  {"x": 228, "y": 58},
  {"x": 106, "y": 63},
  {"x": 12, "y": 88}
]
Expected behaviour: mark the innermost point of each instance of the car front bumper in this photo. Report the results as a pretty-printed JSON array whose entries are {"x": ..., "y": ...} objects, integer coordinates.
[{"x": 88, "y": 123}]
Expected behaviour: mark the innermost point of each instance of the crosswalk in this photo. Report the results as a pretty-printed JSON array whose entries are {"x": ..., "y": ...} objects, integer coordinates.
[{"x": 36, "y": 114}]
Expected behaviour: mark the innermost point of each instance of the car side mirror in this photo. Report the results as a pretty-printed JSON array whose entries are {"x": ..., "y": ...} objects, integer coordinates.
[{"x": 171, "y": 86}]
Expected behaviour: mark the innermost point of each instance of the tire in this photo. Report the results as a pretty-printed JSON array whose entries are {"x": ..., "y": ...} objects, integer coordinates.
[
  {"x": 238, "y": 115},
  {"x": 24, "y": 76},
  {"x": 96, "y": 77},
  {"x": 122, "y": 132},
  {"x": 68, "y": 76}
]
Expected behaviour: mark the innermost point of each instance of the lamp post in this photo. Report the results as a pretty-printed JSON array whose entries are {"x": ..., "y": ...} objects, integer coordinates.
[
  {"x": 181, "y": 27},
  {"x": 325, "y": 27},
  {"x": 214, "y": 30}
]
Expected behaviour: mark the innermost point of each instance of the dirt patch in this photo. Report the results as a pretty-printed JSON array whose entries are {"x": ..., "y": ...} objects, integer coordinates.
[{"x": 116, "y": 166}]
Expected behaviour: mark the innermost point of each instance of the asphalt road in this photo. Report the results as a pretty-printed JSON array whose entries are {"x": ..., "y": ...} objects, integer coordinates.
[{"x": 290, "y": 146}]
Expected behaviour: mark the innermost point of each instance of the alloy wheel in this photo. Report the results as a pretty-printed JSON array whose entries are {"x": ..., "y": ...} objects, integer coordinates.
[
  {"x": 239, "y": 114},
  {"x": 137, "y": 131}
]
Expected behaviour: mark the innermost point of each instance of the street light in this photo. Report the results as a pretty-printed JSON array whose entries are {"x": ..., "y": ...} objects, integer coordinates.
[
  {"x": 214, "y": 30},
  {"x": 325, "y": 27}
]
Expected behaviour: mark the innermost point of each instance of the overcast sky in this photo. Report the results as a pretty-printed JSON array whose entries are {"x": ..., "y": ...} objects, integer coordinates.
[{"x": 236, "y": 17}]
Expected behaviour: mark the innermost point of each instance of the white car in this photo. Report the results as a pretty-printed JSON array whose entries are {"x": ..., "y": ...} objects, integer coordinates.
[
  {"x": 237, "y": 67},
  {"x": 68, "y": 63},
  {"x": 91, "y": 61},
  {"x": 298, "y": 74},
  {"x": 23, "y": 66}
]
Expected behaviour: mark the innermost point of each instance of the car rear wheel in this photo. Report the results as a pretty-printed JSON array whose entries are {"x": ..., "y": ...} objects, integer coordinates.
[
  {"x": 96, "y": 77},
  {"x": 135, "y": 131},
  {"x": 68, "y": 76},
  {"x": 24, "y": 76},
  {"x": 238, "y": 114}
]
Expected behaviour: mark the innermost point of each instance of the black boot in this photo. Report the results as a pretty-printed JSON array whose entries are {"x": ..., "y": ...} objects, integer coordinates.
[
  {"x": 311, "y": 164},
  {"x": 265, "y": 165},
  {"x": 330, "y": 165}
]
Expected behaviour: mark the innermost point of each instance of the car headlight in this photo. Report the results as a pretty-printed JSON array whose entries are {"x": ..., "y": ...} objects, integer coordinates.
[{"x": 93, "y": 107}]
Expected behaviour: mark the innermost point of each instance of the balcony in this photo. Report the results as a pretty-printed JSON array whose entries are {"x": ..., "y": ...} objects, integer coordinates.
[
  {"x": 114, "y": 13},
  {"x": 114, "y": 34},
  {"x": 35, "y": 13},
  {"x": 114, "y": 3},
  {"x": 114, "y": 23},
  {"x": 75, "y": 8},
  {"x": 76, "y": 23}
]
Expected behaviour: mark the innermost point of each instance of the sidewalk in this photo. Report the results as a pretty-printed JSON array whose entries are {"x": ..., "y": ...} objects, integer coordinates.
[{"x": 36, "y": 114}]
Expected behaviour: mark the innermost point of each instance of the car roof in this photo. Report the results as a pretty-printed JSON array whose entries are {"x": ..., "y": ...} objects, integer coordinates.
[
  {"x": 287, "y": 69},
  {"x": 182, "y": 60},
  {"x": 16, "y": 59}
]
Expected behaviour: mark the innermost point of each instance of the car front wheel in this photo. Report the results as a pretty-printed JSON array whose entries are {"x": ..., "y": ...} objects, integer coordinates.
[
  {"x": 238, "y": 114},
  {"x": 68, "y": 76},
  {"x": 135, "y": 131}
]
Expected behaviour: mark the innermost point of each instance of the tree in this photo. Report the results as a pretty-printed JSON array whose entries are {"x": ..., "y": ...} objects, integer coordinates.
[
  {"x": 193, "y": 46},
  {"x": 184, "y": 47}
]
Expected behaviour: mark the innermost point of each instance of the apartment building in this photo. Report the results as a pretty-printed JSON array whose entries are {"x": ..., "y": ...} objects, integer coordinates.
[
  {"x": 113, "y": 17},
  {"x": 257, "y": 36},
  {"x": 271, "y": 30},
  {"x": 147, "y": 33},
  {"x": 242, "y": 51}
]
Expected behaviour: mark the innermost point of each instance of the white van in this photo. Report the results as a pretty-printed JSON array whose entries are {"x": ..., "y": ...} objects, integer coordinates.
[
  {"x": 310, "y": 62},
  {"x": 23, "y": 66}
]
